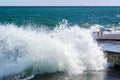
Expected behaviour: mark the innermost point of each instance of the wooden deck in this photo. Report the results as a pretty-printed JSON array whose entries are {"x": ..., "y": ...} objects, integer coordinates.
[{"x": 108, "y": 37}]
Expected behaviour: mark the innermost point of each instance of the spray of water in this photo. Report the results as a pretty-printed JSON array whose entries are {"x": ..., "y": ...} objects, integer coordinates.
[{"x": 70, "y": 49}]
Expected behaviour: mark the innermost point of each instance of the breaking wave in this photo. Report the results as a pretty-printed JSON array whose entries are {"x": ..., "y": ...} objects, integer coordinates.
[{"x": 28, "y": 51}]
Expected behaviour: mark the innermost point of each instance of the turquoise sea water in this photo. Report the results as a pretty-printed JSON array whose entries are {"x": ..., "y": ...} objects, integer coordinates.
[
  {"x": 50, "y": 16},
  {"x": 54, "y": 43}
]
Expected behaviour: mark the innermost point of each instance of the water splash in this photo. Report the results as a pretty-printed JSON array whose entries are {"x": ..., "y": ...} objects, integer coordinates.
[{"x": 70, "y": 49}]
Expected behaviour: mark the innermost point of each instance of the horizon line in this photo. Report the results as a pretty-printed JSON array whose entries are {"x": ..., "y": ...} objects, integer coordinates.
[{"x": 55, "y": 6}]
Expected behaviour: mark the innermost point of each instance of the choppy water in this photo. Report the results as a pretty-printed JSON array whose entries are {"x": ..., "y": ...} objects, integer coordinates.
[{"x": 53, "y": 43}]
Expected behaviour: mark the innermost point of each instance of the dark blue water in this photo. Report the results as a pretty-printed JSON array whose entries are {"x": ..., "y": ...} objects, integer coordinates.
[{"x": 51, "y": 16}]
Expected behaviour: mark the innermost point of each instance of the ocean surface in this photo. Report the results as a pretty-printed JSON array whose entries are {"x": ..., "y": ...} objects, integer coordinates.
[
  {"x": 51, "y": 16},
  {"x": 55, "y": 43}
]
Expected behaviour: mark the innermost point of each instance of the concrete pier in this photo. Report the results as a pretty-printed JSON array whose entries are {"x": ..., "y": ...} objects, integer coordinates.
[{"x": 112, "y": 56}]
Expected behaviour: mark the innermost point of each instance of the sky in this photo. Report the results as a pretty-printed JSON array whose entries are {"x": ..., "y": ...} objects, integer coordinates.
[{"x": 59, "y": 2}]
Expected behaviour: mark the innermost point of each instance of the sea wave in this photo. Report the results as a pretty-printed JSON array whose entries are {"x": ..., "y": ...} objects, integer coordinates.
[{"x": 28, "y": 51}]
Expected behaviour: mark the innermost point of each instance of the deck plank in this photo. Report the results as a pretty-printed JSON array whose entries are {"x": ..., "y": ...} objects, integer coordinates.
[{"x": 108, "y": 37}]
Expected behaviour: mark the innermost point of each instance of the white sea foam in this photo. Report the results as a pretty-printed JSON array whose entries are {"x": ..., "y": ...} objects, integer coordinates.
[
  {"x": 70, "y": 49},
  {"x": 118, "y": 16},
  {"x": 112, "y": 30}
]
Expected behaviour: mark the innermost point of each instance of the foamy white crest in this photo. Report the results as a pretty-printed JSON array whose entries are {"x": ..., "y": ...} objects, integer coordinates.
[
  {"x": 68, "y": 49},
  {"x": 96, "y": 27},
  {"x": 118, "y": 16}
]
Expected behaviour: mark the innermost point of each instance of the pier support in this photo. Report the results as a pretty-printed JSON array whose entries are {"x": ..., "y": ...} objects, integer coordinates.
[{"x": 113, "y": 57}]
